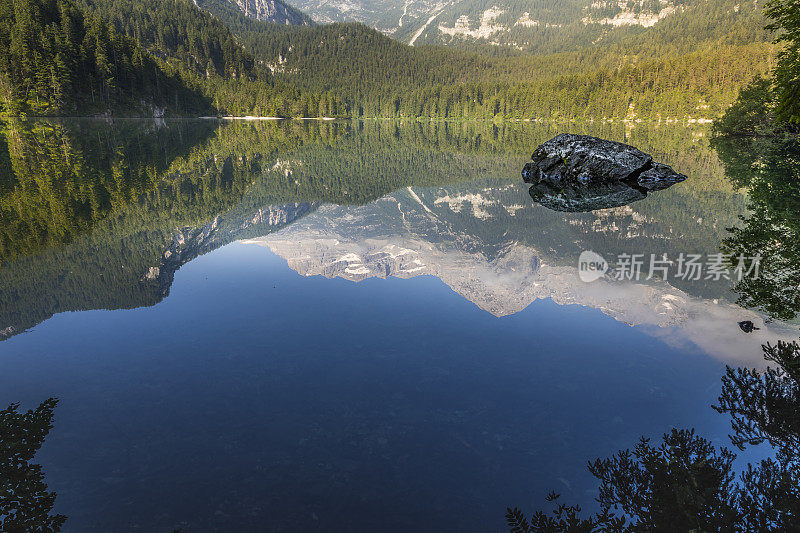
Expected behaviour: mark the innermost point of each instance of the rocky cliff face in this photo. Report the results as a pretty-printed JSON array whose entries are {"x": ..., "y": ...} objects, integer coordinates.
[
  {"x": 272, "y": 11},
  {"x": 515, "y": 24}
]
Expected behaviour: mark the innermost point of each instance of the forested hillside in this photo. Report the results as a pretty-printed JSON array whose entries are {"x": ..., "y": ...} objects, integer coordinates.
[
  {"x": 129, "y": 57},
  {"x": 575, "y": 61},
  {"x": 179, "y": 32},
  {"x": 363, "y": 73},
  {"x": 686, "y": 66},
  {"x": 60, "y": 60}
]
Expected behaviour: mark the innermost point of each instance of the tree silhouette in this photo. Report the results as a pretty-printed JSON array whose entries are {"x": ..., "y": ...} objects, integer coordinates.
[
  {"x": 686, "y": 484},
  {"x": 25, "y": 502},
  {"x": 683, "y": 484},
  {"x": 765, "y": 407}
]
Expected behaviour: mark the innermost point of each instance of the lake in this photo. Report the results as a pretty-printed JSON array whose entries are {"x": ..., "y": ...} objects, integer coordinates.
[{"x": 348, "y": 326}]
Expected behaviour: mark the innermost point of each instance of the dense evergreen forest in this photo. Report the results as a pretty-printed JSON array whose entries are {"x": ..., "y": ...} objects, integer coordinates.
[
  {"x": 355, "y": 71},
  {"x": 180, "y": 32},
  {"x": 139, "y": 55},
  {"x": 61, "y": 61}
]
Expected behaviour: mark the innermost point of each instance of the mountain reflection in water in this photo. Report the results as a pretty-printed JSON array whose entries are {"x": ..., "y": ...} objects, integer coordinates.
[{"x": 478, "y": 242}]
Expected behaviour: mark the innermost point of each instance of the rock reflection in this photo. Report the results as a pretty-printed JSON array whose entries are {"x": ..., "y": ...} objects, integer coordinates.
[{"x": 582, "y": 198}]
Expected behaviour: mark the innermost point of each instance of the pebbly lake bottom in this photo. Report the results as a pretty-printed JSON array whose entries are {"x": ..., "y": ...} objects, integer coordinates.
[{"x": 254, "y": 398}]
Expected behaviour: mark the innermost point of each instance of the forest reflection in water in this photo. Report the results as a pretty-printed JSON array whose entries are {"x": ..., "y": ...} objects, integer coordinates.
[
  {"x": 769, "y": 169},
  {"x": 101, "y": 215}
]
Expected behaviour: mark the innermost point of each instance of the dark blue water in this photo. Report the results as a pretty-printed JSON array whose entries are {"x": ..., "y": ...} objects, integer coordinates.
[{"x": 253, "y": 397}]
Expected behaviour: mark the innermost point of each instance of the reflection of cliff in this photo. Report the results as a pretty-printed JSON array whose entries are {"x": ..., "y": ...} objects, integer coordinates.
[
  {"x": 497, "y": 254},
  {"x": 162, "y": 202},
  {"x": 491, "y": 216},
  {"x": 189, "y": 243}
]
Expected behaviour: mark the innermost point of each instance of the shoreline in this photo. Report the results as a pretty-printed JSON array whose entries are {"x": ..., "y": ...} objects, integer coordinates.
[{"x": 690, "y": 121}]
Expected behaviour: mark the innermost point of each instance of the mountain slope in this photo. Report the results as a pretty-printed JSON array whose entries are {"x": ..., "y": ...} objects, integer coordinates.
[
  {"x": 370, "y": 74},
  {"x": 547, "y": 26},
  {"x": 180, "y": 33}
]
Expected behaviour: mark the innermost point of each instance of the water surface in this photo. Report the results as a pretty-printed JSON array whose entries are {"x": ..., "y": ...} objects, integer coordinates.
[{"x": 348, "y": 326}]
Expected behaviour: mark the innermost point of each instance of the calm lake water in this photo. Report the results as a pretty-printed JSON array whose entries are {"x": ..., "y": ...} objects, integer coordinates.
[{"x": 303, "y": 326}]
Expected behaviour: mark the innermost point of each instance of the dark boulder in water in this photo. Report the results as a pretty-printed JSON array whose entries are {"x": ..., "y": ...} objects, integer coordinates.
[{"x": 583, "y": 173}]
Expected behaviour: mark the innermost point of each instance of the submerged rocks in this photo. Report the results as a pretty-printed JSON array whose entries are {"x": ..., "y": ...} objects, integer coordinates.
[{"x": 583, "y": 173}]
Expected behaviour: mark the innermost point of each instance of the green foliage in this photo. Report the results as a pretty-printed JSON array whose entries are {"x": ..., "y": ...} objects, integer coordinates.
[
  {"x": 161, "y": 53},
  {"x": 753, "y": 112},
  {"x": 25, "y": 503},
  {"x": 179, "y": 31},
  {"x": 61, "y": 61},
  {"x": 771, "y": 107},
  {"x": 786, "y": 19}
]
